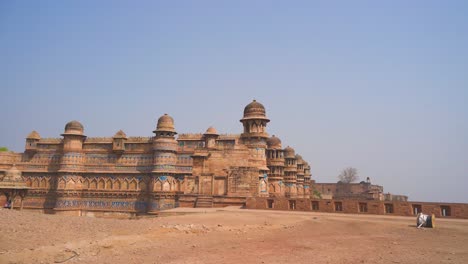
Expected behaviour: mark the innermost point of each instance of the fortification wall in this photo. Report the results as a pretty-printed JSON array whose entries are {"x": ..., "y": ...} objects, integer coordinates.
[{"x": 397, "y": 208}]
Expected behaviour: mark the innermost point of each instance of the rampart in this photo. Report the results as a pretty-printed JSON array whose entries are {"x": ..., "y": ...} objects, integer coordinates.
[{"x": 397, "y": 208}]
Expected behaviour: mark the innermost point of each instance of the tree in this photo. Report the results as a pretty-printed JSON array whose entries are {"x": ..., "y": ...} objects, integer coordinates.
[
  {"x": 348, "y": 175},
  {"x": 317, "y": 194},
  {"x": 3, "y": 149}
]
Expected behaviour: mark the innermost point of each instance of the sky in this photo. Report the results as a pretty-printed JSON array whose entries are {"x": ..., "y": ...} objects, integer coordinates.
[{"x": 381, "y": 86}]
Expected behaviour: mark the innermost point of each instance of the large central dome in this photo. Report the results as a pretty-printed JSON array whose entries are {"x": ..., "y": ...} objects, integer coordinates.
[{"x": 254, "y": 110}]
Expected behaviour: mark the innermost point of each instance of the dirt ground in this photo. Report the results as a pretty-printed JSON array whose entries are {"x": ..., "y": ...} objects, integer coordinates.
[{"x": 229, "y": 235}]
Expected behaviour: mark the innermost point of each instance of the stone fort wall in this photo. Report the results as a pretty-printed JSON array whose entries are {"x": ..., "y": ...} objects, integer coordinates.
[{"x": 396, "y": 208}]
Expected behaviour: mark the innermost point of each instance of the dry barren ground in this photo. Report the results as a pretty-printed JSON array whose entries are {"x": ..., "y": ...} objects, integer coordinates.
[{"x": 229, "y": 236}]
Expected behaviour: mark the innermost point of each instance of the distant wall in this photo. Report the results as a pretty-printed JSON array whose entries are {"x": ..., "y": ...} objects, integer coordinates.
[{"x": 399, "y": 208}]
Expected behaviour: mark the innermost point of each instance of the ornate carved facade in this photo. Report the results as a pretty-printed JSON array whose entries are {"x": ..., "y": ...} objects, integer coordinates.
[{"x": 148, "y": 174}]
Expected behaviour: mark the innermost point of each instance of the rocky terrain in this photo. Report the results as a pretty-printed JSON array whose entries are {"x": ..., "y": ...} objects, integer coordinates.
[{"x": 229, "y": 235}]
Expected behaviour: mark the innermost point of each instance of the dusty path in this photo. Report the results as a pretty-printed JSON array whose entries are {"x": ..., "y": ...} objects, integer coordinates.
[{"x": 229, "y": 236}]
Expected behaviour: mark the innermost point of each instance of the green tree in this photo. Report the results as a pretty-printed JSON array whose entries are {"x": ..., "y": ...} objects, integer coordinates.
[
  {"x": 317, "y": 194},
  {"x": 3, "y": 149}
]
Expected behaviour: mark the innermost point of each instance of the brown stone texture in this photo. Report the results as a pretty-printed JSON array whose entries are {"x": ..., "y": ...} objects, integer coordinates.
[
  {"x": 80, "y": 175},
  {"x": 77, "y": 174}
]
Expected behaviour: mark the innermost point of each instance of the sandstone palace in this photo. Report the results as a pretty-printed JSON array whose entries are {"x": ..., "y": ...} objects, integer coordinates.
[{"x": 77, "y": 173}]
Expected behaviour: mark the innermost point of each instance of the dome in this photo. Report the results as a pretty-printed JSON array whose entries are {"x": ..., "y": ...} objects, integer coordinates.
[
  {"x": 34, "y": 135},
  {"x": 13, "y": 174},
  {"x": 254, "y": 110},
  {"x": 289, "y": 152},
  {"x": 120, "y": 134},
  {"x": 165, "y": 124},
  {"x": 299, "y": 159},
  {"x": 73, "y": 128},
  {"x": 274, "y": 142},
  {"x": 211, "y": 131}
]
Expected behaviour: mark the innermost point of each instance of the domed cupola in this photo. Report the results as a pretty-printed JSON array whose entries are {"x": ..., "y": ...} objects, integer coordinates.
[
  {"x": 255, "y": 110},
  {"x": 299, "y": 159},
  {"x": 34, "y": 135},
  {"x": 74, "y": 128},
  {"x": 211, "y": 131},
  {"x": 255, "y": 121},
  {"x": 274, "y": 143},
  {"x": 210, "y": 136},
  {"x": 73, "y": 137},
  {"x": 118, "y": 141},
  {"x": 289, "y": 152},
  {"x": 165, "y": 124},
  {"x": 31, "y": 141}
]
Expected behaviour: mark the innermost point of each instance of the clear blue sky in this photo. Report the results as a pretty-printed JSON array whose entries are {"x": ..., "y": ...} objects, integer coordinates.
[{"x": 379, "y": 86}]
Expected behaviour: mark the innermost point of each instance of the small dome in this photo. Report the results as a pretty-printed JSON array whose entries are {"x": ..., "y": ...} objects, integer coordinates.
[
  {"x": 299, "y": 159},
  {"x": 255, "y": 110},
  {"x": 120, "y": 134},
  {"x": 13, "y": 174},
  {"x": 289, "y": 152},
  {"x": 73, "y": 128},
  {"x": 274, "y": 143},
  {"x": 211, "y": 131},
  {"x": 34, "y": 135},
  {"x": 165, "y": 124}
]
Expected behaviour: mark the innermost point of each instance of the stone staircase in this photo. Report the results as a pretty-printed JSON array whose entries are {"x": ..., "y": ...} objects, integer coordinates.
[{"x": 204, "y": 202}]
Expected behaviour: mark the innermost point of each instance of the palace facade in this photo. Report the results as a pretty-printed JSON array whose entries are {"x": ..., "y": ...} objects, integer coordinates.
[{"x": 80, "y": 174}]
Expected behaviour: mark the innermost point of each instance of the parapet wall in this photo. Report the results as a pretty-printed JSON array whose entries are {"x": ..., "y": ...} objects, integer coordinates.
[{"x": 398, "y": 208}]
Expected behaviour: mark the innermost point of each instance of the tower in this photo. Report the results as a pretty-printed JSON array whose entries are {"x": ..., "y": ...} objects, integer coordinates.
[
  {"x": 31, "y": 142},
  {"x": 210, "y": 137},
  {"x": 118, "y": 142},
  {"x": 307, "y": 181},
  {"x": 73, "y": 156},
  {"x": 164, "y": 164},
  {"x": 255, "y": 122},
  {"x": 290, "y": 172},
  {"x": 275, "y": 162},
  {"x": 254, "y": 137},
  {"x": 300, "y": 176}
]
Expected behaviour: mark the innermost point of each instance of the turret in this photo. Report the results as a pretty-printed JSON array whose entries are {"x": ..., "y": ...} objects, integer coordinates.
[
  {"x": 255, "y": 121},
  {"x": 254, "y": 137},
  {"x": 73, "y": 156},
  {"x": 307, "y": 181},
  {"x": 164, "y": 162},
  {"x": 73, "y": 137},
  {"x": 210, "y": 137},
  {"x": 118, "y": 142},
  {"x": 290, "y": 172},
  {"x": 300, "y": 176},
  {"x": 31, "y": 141},
  {"x": 164, "y": 146},
  {"x": 275, "y": 162}
]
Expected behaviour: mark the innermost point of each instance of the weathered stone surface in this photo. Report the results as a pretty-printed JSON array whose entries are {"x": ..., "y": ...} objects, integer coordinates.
[{"x": 77, "y": 174}]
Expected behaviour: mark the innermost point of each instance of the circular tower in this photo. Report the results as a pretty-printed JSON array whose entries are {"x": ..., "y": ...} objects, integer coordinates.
[
  {"x": 73, "y": 156},
  {"x": 210, "y": 137},
  {"x": 254, "y": 137},
  {"x": 164, "y": 184},
  {"x": 31, "y": 142},
  {"x": 300, "y": 176},
  {"x": 275, "y": 162},
  {"x": 255, "y": 122},
  {"x": 307, "y": 181},
  {"x": 290, "y": 172}
]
